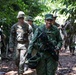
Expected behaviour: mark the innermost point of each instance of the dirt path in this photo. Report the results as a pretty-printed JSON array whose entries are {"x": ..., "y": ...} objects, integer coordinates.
[{"x": 68, "y": 65}]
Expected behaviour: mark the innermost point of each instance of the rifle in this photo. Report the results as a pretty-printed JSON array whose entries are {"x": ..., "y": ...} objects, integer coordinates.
[{"x": 48, "y": 46}]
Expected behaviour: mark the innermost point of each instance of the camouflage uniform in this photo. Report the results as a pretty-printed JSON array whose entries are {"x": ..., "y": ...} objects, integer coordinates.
[
  {"x": 30, "y": 19},
  {"x": 2, "y": 42},
  {"x": 34, "y": 27},
  {"x": 19, "y": 41},
  {"x": 55, "y": 23},
  {"x": 47, "y": 65},
  {"x": 69, "y": 36}
]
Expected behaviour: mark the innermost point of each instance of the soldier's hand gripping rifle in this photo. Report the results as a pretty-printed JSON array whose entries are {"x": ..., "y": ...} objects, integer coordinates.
[{"x": 48, "y": 46}]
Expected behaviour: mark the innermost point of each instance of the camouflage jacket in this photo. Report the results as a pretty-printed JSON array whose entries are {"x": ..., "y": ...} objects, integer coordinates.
[
  {"x": 34, "y": 27},
  {"x": 19, "y": 33},
  {"x": 53, "y": 36}
]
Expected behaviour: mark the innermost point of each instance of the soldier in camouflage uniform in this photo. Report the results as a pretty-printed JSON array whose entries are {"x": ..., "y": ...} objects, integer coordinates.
[
  {"x": 70, "y": 35},
  {"x": 54, "y": 21},
  {"x": 47, "y": 65},
  {"x": 29, "y": 19},
  {"x": 60, "y": 29},
  {"x": 2, "y": 43},
  {"x": 19, "y": 40}
]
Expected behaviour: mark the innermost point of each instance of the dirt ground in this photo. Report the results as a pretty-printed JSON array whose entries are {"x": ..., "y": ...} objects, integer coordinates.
[{"x": 67, "y": 65}]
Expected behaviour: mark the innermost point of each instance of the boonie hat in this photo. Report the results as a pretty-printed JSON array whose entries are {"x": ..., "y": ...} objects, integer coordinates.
[{"x": 21, "y": 14}]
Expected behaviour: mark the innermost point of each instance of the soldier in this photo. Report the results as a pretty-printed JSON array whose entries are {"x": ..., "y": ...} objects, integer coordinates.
[
  {"x": 54, "y": 21},
  {"x": 70, "y": 37},
  {"x": 47, "y": 64},
  {"x": 29, "y": 19},
  {"x": 60, "y": 29},
  {"x": 2, "y": 42},
  {"x": 19, "y": 40}
]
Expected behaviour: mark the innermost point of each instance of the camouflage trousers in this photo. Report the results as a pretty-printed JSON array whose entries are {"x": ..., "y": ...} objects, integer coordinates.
[
  {"x": 47, "y": 65},
  {"x": 20, "y": 55}
]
